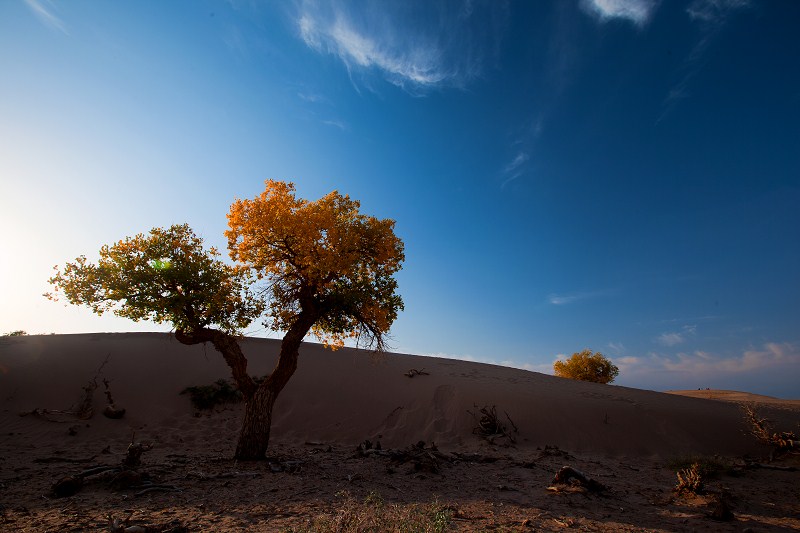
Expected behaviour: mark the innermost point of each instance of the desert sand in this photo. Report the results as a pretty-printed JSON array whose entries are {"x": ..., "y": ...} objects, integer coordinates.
[{"x": 321, "y": 475}]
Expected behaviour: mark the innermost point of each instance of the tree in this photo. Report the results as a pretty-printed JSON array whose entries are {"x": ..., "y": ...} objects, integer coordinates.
[
  {"x": 587, "y": 366},
  {"x": 328, "y": 271}
]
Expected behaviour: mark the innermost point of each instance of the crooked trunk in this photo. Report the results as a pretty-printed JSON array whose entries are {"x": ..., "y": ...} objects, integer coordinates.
[{"x": 254, "y": 436}]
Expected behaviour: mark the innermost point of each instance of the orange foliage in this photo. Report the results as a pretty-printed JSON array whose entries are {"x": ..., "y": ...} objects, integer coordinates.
[{"x": 322, "y": 258}]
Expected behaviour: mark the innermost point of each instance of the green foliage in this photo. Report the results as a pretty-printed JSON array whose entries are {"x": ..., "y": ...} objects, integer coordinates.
[
  {"x": 587, "y": 366},
  {"x": 16, "y": 333},
  {"x": 207, "y": 397},
  {"x": 165, "y": 276}
]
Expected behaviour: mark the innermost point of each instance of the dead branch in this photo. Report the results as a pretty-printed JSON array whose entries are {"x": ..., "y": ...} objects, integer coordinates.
[
  {"x": 134, "y": 455},
  {"x": 761, "y": 428},
  {"x": 63, "y": 460},
  {"x": 414, "y": 372},
  {"x": 111, "y": 410},
  {"x": 489, "y": 425},
  {"x": 567, "y": 474},
  {"x": 772, "y": 467},
  {"x": 158, "y": 488}
]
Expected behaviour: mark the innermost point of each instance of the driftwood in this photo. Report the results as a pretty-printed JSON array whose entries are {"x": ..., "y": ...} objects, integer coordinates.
[
  {"x": 568, "y": 476},
  {"x": 414, "y": 372}
]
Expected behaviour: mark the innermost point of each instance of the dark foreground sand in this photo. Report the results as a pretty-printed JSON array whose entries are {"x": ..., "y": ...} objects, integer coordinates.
[{"x": 627, "y": 439}]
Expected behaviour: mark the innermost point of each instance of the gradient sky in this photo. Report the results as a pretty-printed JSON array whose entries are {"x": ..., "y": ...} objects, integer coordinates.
[{"x": 607, "y": 174}]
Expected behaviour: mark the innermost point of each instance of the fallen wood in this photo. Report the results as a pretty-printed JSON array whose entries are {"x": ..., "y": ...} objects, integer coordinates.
[
  {"x": 158, "y": 488},
  {"x": 567, "y": 474},
  {"x": 772, "y": 467},
  {"x": 414, "y": 372},
  {"x": 63, "y": 460}
]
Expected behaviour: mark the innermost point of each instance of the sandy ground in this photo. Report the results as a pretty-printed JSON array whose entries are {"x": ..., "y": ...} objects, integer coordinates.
[{"x": 629, "y": 440}]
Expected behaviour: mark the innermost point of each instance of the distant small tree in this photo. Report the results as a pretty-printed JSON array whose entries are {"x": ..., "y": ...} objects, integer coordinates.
[
  {"x": 329, "y": 271},
  {"x": 16, "y": 333},
  {"x": 587, "y": 366}
]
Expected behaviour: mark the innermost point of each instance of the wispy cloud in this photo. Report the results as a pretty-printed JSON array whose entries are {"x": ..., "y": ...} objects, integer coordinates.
[
  {"x": 444, "y": 51},
  {"x": 313, "y": 98},
  {"x": 676, "y": 337},
  {"x": 43, "y": 9},
  {"x": 564, "y": 299},
  {"x": 714, "y": 11},
  {"x": 616, "y": 347},
  {"x": 336, "y": 124},
  {"x": 515, "y": 168},
  {"x": 635, "y": 11},
  {"x": 711, "y": 15}
]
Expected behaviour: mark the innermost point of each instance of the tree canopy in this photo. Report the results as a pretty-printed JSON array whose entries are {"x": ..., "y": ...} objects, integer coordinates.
[
  {"x": 323, "y": 260},
  {"x": 587, "y": 366},
  {"x": 165, "y": 276}
]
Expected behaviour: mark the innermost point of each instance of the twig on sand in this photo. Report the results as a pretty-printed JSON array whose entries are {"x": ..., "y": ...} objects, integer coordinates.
[{"x": 414, "y": 372}]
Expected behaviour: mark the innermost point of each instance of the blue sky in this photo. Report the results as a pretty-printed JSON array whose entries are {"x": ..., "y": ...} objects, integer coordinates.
[{"x": 607, "y": 174}]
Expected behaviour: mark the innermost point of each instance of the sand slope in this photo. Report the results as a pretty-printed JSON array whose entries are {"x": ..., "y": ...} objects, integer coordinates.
[{"x": 348, "y": 396}]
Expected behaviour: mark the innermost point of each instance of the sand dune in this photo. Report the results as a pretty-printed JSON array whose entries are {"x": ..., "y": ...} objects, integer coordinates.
[
  {"x": 348, "y": 396},
  {"x": 625, "y": 437}
]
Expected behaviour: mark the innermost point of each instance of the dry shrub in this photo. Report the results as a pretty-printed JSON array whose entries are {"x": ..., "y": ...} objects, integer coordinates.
[
  {"x": 690, "y": 480},
  {"x": 207, "y": 397},
  {"x": 374, "y": 514}
]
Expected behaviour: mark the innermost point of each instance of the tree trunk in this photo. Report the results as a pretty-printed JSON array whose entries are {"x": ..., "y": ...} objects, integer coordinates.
[{"x": 254, "y": 436}]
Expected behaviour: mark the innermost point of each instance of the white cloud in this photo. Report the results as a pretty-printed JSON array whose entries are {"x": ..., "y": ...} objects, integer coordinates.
[
  {"x": 389, "y": 39},
  {"x": 670, "y": 339},
  {"x": 46, "y": 15},
  {"x": 771, "y": 355},
  {"x": 636, "y": 11}
]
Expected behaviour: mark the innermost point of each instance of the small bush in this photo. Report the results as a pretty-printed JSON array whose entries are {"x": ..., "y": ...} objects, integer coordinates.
[
  {"x": 587, "y": 366},
  {"x": 207, "y": 397},
  {"x": 16, "y": 333}
]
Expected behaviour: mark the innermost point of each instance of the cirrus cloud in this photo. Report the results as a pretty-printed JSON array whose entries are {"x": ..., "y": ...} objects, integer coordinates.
[{"x": 447, "y": 49}]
